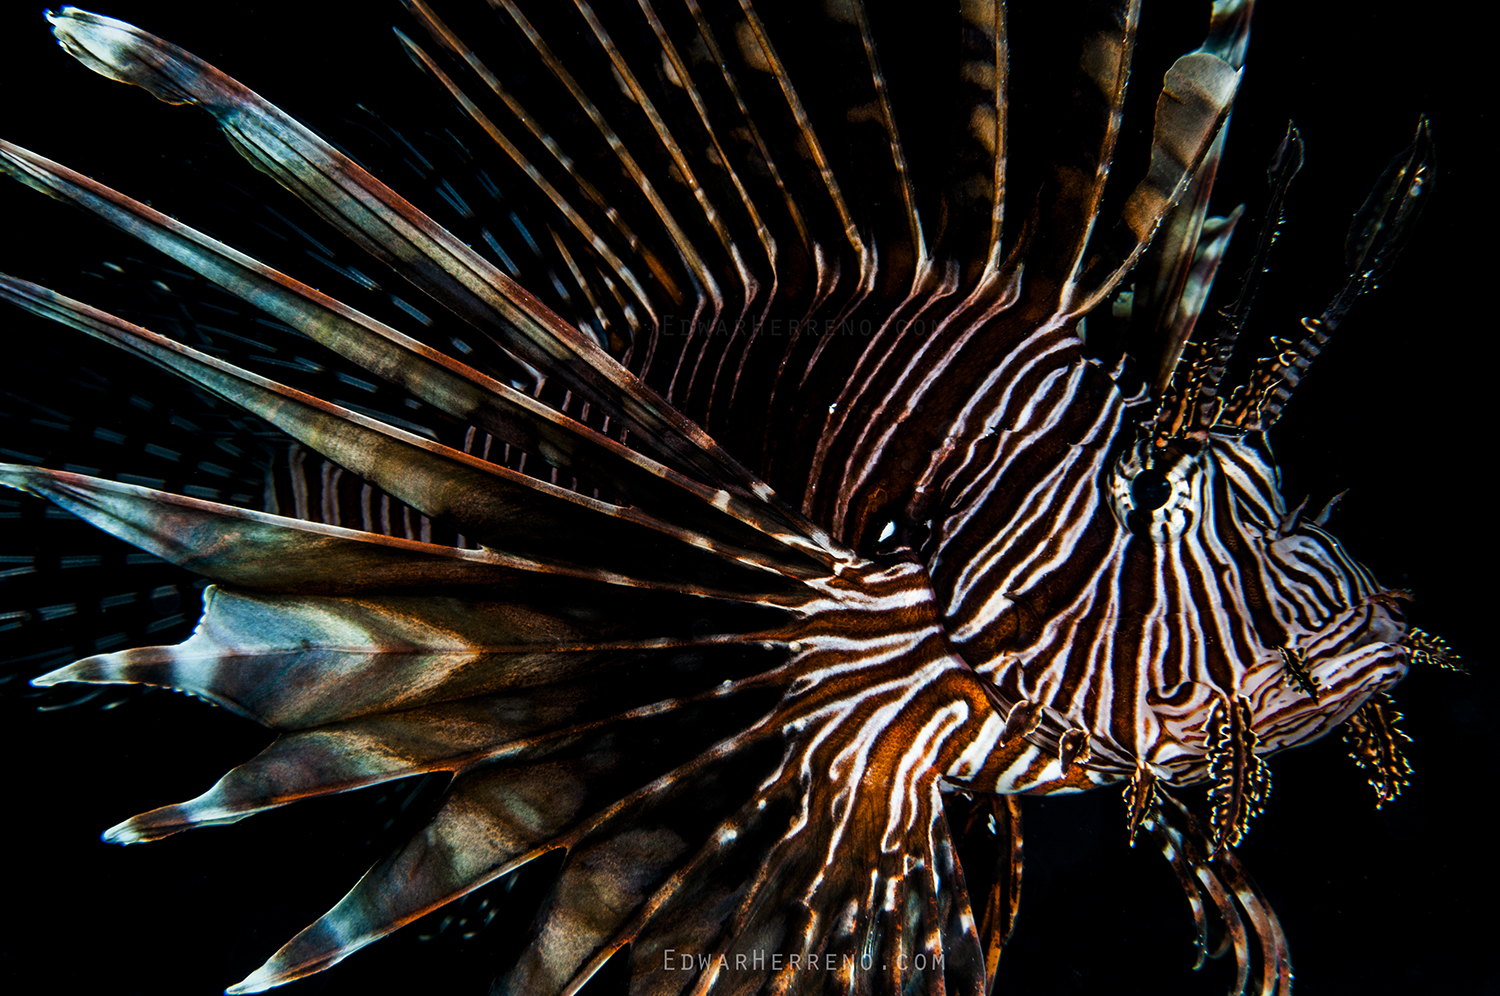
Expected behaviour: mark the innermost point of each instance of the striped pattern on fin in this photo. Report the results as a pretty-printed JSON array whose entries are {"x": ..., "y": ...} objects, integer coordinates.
[
  {"x": 1068, "y": 204},
  {"x": 895, "y": 458},
  {"x": 450, "y": 386},
  {"x": 978, "y": 176},
  {"x": 1197, "y": 94},
  {"x": 1380, "y": 229},
  {"x": 1375, "y": 745},
  {"x": 264, "y": 551},
  {"x": 1174, "y": 274},
  {"x": 1217, "y": 874},
  {"x": 505, "y": 811},
  {"x": 1219, "y": 345},
  {"x": 390, "y": 228},
  {"x": 738, "y": 729},
  {"x": 481, "y": 499},
  {"x": 293, "y": 662}
]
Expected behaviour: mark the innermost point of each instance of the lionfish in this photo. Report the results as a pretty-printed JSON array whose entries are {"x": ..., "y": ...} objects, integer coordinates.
[{"x": 769, "y": 508}]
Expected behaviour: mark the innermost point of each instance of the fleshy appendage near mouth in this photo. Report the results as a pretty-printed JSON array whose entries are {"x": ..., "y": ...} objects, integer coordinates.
[{"x": 1316, "y": 684}]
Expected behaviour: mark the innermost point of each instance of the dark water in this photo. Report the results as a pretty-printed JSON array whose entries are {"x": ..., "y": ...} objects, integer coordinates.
[{"x": 1393, "y": 902}]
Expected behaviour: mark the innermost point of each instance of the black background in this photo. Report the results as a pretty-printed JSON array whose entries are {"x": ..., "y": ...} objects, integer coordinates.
[{"x": 1374, "y": 903}]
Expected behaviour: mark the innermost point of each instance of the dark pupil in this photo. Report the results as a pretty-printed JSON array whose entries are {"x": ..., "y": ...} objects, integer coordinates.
[{"x": 1150, "y": 490}]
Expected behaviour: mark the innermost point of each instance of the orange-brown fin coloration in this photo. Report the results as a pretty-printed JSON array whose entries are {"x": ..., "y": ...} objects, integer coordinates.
[{"x": 761, "y": 446}]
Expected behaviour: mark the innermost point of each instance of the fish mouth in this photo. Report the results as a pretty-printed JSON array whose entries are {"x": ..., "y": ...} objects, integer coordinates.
[{"x": 1317, "y": 682}]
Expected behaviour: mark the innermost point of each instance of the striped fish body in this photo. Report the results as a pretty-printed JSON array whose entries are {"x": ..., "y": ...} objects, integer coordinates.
[{"x": 977, "y": 551}]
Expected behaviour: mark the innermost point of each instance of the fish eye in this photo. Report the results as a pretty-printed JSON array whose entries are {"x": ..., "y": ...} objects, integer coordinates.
[{"x": 1149, "y": 490}]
